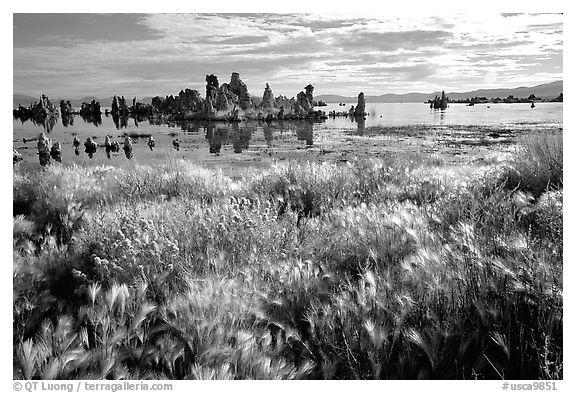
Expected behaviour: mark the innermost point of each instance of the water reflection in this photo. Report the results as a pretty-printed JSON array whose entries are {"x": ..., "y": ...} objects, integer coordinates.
[
  {"x": 240, "y": 137},
  {"x": 49, "y": 123},
  {"x": 216, "y": 136},
  {"x": 268, "y": 134},
  {"x": 94, "y": 118},
  {"x": 361, "y": 122},
  {"x": 67, "y": 120},
  {"x": 140, "y": 118},
  {"x": 306, "y": 133},
  {"x": 120, "y": 121},
  {"x": 439, "y": 115}
]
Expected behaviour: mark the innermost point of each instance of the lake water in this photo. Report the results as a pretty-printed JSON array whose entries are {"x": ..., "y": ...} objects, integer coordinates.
[
  {"x": 202, "y": 141},
  {"x": 457, "y": 114}
]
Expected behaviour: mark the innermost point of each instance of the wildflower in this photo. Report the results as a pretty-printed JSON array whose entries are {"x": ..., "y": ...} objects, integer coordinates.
[{"x": 78, "y": 274}]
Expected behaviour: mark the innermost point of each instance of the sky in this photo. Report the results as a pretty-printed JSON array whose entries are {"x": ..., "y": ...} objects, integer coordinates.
[{"x": 77, "y": 55}]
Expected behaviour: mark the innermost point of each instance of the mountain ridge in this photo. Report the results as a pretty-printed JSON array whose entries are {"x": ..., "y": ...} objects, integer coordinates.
[{"x": 545, "y": 90}]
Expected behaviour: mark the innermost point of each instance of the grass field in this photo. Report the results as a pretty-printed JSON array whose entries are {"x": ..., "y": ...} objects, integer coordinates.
[{"x": 388, "y": 268}]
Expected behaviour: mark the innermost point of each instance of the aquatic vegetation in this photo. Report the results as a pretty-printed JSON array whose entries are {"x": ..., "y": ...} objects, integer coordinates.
[{"x": 371, "y": 269}]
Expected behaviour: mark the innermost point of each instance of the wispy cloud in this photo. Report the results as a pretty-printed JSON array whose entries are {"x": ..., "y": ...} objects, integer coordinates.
[{"x": 138, "y": 54}]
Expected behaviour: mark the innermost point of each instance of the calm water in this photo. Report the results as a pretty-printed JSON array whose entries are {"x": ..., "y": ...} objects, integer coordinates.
[
  {"x": 456, "y": 114},
  {"x": 201, "y": 140}
]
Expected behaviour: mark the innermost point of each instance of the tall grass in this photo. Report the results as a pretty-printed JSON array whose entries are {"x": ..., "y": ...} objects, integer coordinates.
[
  {"x": 374, "y": 269},
  {"x": 538, "y": 165}
]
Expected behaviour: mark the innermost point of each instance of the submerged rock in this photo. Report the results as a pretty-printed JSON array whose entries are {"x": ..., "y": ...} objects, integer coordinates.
[
  {"x": 44, "y": 149},
  {"x": 56, "y": 152},
  {"x": 90, "y": 147},
  {"x": 128, "y": 147}
]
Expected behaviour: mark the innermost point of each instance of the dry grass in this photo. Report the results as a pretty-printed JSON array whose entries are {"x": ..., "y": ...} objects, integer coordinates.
[
  {"x": 538, "y": 165},
  {"x": 370, "y": 270}
]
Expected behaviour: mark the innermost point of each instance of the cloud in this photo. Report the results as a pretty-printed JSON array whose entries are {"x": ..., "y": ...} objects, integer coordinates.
[
  {"x": 391, "y": 41},
  {"x": 547, "y": 27},
  {"x": 158, "y": 54},
  {"x": 64, "y": 29},
  {"x": 241, "y": 40},
  {"x": 401, "y": 72}
]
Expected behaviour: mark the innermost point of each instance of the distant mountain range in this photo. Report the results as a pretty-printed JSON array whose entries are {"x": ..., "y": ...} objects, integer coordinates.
[{"x": 546, "y": 90}]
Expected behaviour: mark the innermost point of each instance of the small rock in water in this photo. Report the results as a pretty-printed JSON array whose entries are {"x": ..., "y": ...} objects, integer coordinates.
[
  {"x": 44, "y": 149},
  {"x": 90, "y": 147},
  {"x": 56, "y": 152},
  {"x": 128, "y": 147}
]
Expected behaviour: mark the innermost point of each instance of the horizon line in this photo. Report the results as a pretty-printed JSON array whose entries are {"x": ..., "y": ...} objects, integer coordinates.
[{"x": 324, "y": 94}]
